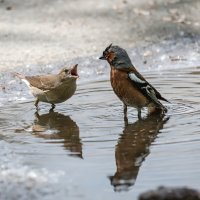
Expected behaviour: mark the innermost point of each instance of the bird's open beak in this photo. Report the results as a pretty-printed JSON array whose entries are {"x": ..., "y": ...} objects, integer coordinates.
[
  {"x": 74, "y": 72},
  {"x": 102, "y": 58}
]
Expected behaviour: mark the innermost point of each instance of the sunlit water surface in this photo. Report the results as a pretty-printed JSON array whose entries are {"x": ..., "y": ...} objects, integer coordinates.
[{"x": 84, "y": 150}]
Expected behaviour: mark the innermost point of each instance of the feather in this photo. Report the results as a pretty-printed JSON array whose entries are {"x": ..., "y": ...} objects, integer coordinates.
[
  {"x": 147, "y": 89},
  {"x": 136, "y": 79},
  {"x": 47, "y": 82}
]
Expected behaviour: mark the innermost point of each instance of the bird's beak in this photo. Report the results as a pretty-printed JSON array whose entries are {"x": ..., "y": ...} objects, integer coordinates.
[
  {"x": 102, "y": 58},
  {"x": 74, "y": 72}
]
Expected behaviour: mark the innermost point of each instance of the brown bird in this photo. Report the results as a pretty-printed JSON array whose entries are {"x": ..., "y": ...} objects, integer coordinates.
[
  {"x": 53, "y": 88},
  {"x": 129, "y": 85}
]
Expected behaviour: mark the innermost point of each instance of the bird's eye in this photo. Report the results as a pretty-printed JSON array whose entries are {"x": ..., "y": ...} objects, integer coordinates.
[
  {"x": 105, "y": 53},
  {"x": 66, "y": 70}
]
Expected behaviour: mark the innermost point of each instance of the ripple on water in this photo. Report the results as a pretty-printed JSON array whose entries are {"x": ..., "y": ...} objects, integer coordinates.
[{"x": 177, "y": 107}]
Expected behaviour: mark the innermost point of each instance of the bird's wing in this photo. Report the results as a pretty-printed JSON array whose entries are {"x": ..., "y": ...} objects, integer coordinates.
[
  {"x": 44, "y": 83},
  {"x": 147, "y": 89}
]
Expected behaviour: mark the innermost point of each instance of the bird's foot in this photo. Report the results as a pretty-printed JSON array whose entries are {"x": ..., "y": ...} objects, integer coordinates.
[
  {"x": 36, "y": 105},
  {"x": 139, "y": 114},
  {"x": 125, "y": 115},
  {"x": 52, "y": 107},
  {"x": 125, "y": 120}
]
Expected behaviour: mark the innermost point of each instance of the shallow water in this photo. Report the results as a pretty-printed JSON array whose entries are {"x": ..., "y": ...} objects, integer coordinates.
[{"x": 84, "y": 150}]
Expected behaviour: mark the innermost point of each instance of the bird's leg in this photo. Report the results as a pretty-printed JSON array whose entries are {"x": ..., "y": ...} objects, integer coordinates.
[
  {"x": 139, "y": 113},
  {"x": 36, "y": 114},
  {"x": 52, "y": 107},
  {"x": 36, "y": 104},
  {"x": 125, "y": 115}
]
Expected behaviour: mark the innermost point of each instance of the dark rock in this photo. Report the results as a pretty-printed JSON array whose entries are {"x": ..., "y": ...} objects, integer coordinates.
[{"x": 168, "y": 193}]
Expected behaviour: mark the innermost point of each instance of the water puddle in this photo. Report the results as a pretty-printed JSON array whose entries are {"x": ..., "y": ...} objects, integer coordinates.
[{"x": 84, "y": 150}]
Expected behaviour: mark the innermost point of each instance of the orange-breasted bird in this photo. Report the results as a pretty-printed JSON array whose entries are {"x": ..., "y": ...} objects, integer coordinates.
[
  {"x": 129, "y": 85},
  {"x": 52, "y": 88}
]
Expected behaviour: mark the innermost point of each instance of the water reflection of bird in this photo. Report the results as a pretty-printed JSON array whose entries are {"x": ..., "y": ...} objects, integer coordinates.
[
  {"x": 129, "y": 85},
  {"x": 132, "y": 148},
  {"x": 54, "y": 88},
  {"x": 63, "y": 127}
]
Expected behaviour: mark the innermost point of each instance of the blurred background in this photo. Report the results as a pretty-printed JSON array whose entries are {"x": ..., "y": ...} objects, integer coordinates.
[{"x": 47, "y": 31}]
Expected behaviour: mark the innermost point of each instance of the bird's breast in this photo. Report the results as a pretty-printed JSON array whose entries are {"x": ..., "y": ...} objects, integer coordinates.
[
  {"x": 125, "y": 90},
  {"x": 57, "y": 95},
  {"x": 61, "y": 93}
]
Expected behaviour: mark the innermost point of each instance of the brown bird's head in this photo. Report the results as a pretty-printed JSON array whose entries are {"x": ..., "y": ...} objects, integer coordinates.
[
  {"x": 117, "y": 57},
  {"x": 69, "y": 73}
]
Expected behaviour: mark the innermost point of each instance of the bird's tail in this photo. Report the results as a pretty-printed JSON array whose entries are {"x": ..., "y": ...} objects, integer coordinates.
[{"x": 163, "y": 99}]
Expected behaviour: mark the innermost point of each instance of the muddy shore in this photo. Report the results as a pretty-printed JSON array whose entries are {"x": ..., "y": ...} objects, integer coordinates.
[{"x": 47, "y": 31}]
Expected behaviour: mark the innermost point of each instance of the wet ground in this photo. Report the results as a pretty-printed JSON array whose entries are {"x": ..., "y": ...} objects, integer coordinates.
[{"x": 84, "y": 150}]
